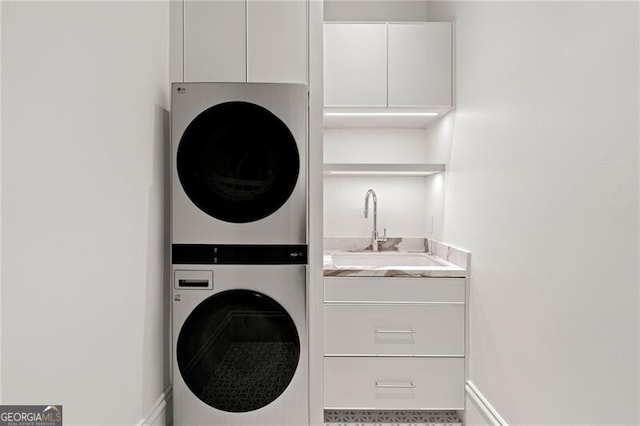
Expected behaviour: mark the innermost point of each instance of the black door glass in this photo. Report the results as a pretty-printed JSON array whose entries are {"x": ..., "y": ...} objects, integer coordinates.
[
  {"x": 238, "y": 162},
  {"x": 238, "y": 350}
]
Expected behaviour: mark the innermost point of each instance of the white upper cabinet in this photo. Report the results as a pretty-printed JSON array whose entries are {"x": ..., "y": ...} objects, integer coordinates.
[
  {"x": 355, "y": 65},
  {"x": 388, "y": 65},
  {"x": 245, "y": 40},
  {"x": 277, "y": 41},
  {"x": 214, "y": 41},
  {"x": 419, "y": 64}
]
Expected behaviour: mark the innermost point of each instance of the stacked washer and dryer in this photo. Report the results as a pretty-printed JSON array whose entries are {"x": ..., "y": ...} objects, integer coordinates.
[{"x": 239, "y": 253}]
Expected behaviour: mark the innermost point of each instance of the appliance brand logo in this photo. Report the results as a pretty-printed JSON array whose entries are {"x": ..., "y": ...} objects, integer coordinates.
[
  {"x": 181, "y": 90},
  {"x": 30, "y": 415}
]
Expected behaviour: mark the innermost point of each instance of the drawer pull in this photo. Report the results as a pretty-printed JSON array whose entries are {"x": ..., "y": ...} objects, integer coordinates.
[
  {"x": 407, "y": 385},
  {"x": 394, "y": 331}
]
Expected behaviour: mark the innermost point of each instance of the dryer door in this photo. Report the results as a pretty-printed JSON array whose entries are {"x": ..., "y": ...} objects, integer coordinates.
[
  {"x": 238, "y": 162},
  {"x": 238, "y": 350}
]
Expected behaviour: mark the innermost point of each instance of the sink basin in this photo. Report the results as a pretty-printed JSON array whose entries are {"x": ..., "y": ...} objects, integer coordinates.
[{"x": 385, "y": 260}]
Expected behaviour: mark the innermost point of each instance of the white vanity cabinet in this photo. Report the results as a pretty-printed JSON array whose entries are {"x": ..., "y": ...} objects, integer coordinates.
[
  {"x": 394, "y": 343},
  {"x": 240, "y": 41},
  {"x": 388, "y": 65}
]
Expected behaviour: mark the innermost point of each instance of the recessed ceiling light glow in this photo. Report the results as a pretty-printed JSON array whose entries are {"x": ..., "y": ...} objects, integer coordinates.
[{"x": 379, "y": 114}]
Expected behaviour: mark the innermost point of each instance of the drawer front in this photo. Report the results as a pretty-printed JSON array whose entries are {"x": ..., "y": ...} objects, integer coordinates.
[
  {"x": 432, "y": 329},
  {"x": 387, "y": 289},
  {"x": 394, "y": 383}
]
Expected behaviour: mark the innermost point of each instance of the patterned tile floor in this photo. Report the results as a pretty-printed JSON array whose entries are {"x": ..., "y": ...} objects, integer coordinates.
[{"x": 390, "y": 418}]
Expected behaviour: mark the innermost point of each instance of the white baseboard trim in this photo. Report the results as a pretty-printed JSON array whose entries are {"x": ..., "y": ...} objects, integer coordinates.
[
  {"x": 484, "y": 406},
  {"x": 158, "y": 408}
]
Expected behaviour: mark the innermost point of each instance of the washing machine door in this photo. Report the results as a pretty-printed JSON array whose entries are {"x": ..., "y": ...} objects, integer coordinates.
[
  {"x": 238, "y": 350},
  {"x": 238, "y": 162}
]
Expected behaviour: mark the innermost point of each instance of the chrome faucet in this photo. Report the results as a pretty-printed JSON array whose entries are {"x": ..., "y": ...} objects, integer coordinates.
[{"x": 374, "y": 235}]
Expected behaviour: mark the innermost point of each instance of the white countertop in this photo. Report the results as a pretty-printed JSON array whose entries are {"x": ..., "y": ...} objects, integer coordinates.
[{"x": 393, "y": 263}]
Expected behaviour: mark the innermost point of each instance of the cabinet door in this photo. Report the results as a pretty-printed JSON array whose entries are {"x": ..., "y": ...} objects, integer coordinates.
[
  {"x": 214, "y": 41},
  {"x": 355, "y": 66},
  {"x": 277, "y": 41},
  {"x": 420, "y": 64}
]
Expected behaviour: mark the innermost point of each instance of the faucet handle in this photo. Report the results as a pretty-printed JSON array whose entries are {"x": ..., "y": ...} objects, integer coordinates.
[{"x": 384, "y": 236}]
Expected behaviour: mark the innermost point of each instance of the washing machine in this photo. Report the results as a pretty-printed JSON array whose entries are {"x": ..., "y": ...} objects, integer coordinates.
[
  {"x": 239, "y": 163},
  {"x": 240, "y": 336}
]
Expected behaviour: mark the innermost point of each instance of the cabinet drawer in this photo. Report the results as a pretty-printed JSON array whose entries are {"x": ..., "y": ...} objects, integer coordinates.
[
  {"x": 431, "y": 329},
  {"x": 384, "y": 289},
  {"x": 393, "y": 383}
]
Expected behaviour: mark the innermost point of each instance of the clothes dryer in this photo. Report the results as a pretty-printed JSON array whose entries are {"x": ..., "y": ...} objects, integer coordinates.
[
  {"x": 239, "y": 163},
  {"x": 239, "y": 337}
]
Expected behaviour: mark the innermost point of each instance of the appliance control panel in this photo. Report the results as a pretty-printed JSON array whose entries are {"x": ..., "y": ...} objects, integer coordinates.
[{"x": 232, "y": 254}]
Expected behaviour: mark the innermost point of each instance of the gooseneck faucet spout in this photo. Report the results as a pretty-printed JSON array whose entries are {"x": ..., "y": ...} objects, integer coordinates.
[{"x": 374, "y": 235}]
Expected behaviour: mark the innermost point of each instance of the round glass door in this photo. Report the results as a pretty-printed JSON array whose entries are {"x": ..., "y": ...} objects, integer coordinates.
[
  {"x": 238, "y": 162},
  {"x": 238, "y": 350}
]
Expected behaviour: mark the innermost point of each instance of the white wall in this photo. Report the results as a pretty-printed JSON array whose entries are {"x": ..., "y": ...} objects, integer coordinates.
[
  {"x": 85, "y": 99},
  {"x": 543, "y": 189},
  {"x": 401, "y": 206},
  {"x": 380, "y": 146},
  {"x": 405, "y": 203}
]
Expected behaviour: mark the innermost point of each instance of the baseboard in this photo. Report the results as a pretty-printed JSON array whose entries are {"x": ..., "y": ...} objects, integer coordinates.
[
  {"x": 159, "y": 410},
  {"x": 484, "y": 406}
]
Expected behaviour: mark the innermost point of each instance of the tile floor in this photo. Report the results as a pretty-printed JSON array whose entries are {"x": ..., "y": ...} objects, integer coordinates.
[{"x": 390, "y": 418}]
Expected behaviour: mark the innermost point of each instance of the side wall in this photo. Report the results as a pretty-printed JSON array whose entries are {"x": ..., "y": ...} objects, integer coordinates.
[
  {"x": 543, "y": 190},
  {"x": 85, "y": 101}
]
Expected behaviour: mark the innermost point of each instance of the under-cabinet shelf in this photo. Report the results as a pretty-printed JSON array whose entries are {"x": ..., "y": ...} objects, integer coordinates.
[{"x": 382, "y": 169}]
